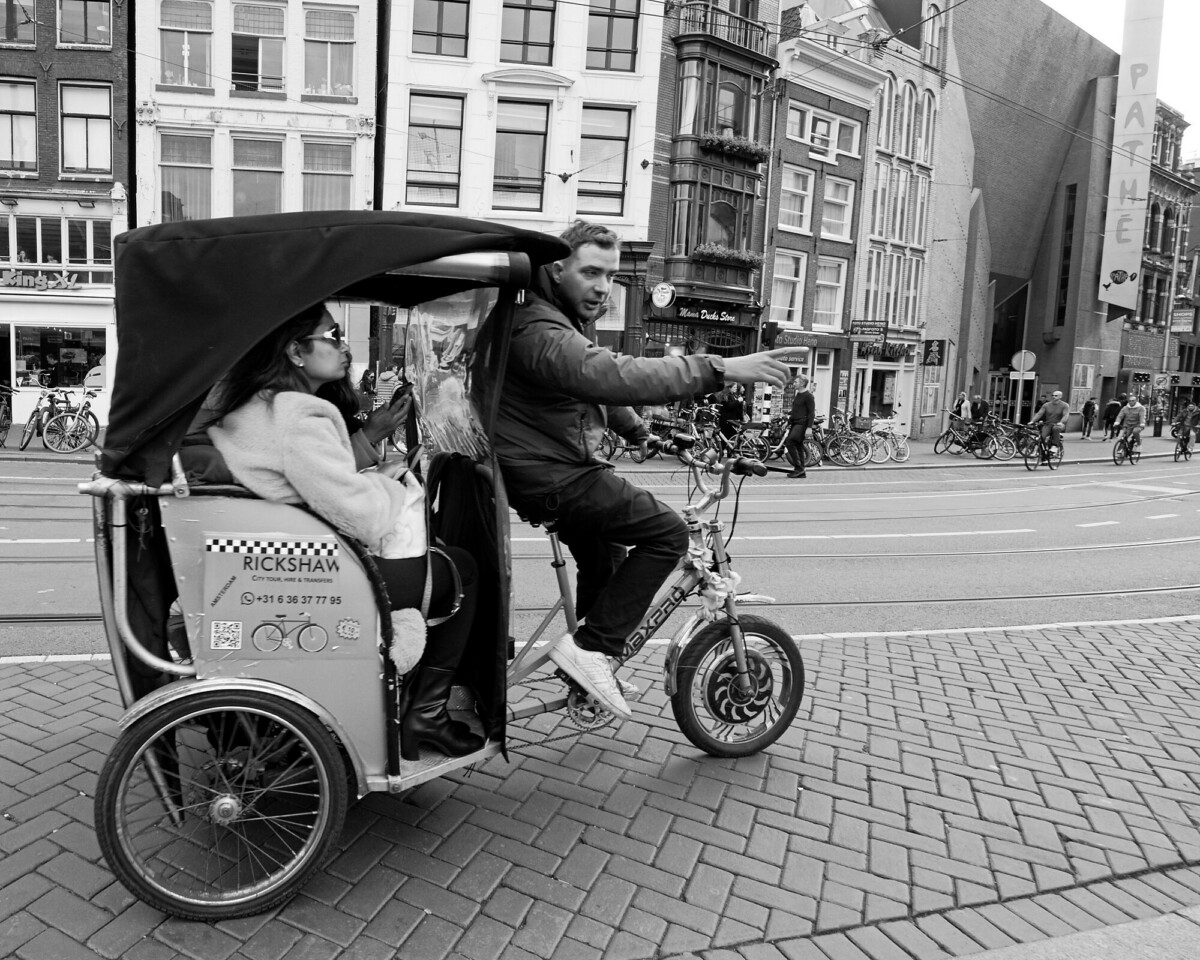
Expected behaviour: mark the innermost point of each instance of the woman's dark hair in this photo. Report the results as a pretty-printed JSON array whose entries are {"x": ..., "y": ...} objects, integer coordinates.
[{"x": 266, "y": 370}]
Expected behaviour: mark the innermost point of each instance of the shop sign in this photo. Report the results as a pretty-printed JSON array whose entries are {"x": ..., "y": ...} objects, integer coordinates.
[
  {"x": 935, "y": 354},
  {"x": 39, "y": 280},
  {"x": 1195, "y": 381},
  {"x": 712, "y": 314},
  {"x": 795, "y": 338},
  {"x": 872, "y": 329},
  {"x": 893, "y": 350},
  {"x": 1183, "y": 319}
]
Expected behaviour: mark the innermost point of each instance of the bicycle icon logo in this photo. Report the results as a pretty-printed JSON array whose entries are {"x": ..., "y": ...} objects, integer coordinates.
[{"x": 268, "y": 637}]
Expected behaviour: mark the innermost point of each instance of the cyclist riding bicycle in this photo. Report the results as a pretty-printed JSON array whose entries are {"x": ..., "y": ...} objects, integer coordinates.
[
  {"x": 1188, "y": 422},
  {"x": 1053, "y": 418},
  {"x": 1131, "y": 419}
]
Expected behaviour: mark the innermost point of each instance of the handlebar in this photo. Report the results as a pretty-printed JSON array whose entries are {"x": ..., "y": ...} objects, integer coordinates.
[{"x": 680, "y": 445}]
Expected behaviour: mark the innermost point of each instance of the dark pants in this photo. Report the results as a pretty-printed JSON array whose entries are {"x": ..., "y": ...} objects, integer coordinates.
[
  {"x": 1110, "y": 428},
  {"x": 598, "y": 515},
  {"x": 794, "y": 445},
  {"x": 1087, "y": 426},
  {"x": 405, "y": 581}
]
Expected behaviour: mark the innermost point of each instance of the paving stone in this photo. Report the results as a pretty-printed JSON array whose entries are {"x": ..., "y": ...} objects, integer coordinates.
[{"x": 63, "y": 910}]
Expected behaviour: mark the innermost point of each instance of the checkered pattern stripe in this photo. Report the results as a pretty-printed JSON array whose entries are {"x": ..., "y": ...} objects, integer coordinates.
[{"x": 272, "y": 548}]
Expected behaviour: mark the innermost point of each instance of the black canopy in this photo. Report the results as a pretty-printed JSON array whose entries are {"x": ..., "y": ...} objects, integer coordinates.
[{"x": 192, "y": 297}]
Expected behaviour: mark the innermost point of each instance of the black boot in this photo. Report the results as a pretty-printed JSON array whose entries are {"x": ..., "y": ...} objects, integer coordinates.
[{"x": 427, "y": 721}]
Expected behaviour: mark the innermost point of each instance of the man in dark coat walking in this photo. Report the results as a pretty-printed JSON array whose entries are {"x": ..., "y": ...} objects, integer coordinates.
[{"x": 799, "y": 420}]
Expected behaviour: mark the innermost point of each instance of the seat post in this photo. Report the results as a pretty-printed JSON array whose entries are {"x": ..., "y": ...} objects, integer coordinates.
[{"x": 560, "y": 574}]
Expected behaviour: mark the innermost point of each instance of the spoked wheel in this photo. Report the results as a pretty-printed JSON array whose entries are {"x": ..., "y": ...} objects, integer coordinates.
[
  {"x": 67, "y": 432},
  {"x": 607, "y": 446},
  {"x": 220, "y": 805},
  {"x": 1119, "y": 452},
  {"x": 29, "y": 429},
  {"x": 985, "y": 449},
  {"x": 636, "y": 454},
  {"x": 1033, "y": 456},
  {"x": 1179, "y": 453},
  {"x": 1054, "y": 456},
  {"x": 713, "y": 711},
  {"x": 1005, "y": 448},
  {"x": 942, "y": 443},
  {"x": 900, "y": 449},
  {"x": 754, "y": 447},
  {"x": 881, "y": 448},
  {"x": 813, "y": 455},
  {"x": 1135, "y": 453},
  {"x": 5, "y": 423}
]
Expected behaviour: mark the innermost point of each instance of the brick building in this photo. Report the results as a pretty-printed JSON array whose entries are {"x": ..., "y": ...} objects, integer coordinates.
[{"x": 63, "y": 170}]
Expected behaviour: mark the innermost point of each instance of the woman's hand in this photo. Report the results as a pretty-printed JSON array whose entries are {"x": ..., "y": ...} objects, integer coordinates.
[{"x": 384, "y": 421}]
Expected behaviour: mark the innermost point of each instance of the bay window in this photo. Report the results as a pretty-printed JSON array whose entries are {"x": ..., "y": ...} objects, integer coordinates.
[
  {"x": 714, "y": 98},
  {"x": 704, "y": 213}
]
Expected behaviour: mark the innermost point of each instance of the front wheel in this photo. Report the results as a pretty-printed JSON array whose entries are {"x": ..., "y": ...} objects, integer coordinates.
[
  {"x": 1119, "y": 452},
  {"x": 67, "y": 433},
  {"x": 29, "y": 429},
  {"x": 221, "y": 804},
  {"x": 942, "y": 443},
  {"x": 1005, "y": 448},
  {"x": 712, "y": 710},
  {"x": 5, "y": 422},
  {"x": 900, "y": 449},
  {"x": 1033, "y": 456}
]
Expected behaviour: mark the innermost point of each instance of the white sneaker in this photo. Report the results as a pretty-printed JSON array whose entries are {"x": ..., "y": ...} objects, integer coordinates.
[{"x": 592, "y": 671}]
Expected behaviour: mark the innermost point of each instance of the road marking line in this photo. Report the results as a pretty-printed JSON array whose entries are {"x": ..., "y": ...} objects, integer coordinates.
[
  {"x": 1142, "y": 486},
  {"x": 32, "y": 540},
  {"x": 1101, "y": 523},
  {"x": 1162, "y": 516},
  {"x": 889, "y": 536}
]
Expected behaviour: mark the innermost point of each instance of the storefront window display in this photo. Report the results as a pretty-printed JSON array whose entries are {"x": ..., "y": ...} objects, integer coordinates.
[{"x": 57, "y": 356}]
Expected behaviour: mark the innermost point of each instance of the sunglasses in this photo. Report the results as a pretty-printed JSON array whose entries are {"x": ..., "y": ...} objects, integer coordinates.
[{"x": 333, "y": 335}]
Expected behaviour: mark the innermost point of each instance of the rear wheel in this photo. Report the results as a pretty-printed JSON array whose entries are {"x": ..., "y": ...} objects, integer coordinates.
[
  {"x": 67, "y": 433},
  {"x": 713, "y": 712},
  {"x": 1005, "y": 448},
  {"x": 942, "y": 443},
  {"x": 900, "y": 449},
  {"x": 5, "y": 421},
  {"x": 754, "y": 447},
  {"x": 985, "y": 449},
  {"x": 813, "y": 455},
  {"x": 1054, "y": 456},
  {"x": 221, "y": 804},
  {"x": 1135, "y": 453},
  {"x": 29, "y": 429},
  {"x": 881, "y": 448}
]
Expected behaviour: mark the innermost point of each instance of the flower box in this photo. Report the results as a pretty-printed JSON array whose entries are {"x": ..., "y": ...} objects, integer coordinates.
[
  {"x": 742, "y": 147},
  {"x": 719, "y": 253}
]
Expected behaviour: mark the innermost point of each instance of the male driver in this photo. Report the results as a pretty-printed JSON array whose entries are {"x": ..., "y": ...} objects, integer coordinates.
[
  {"x": 1131, "y": 419},
  {"x": 560, "y": 392},
  {"x": 1053, "y": 418},
  {"x": 799, "y": 420},
  {"x": 1187, "y": 423}
]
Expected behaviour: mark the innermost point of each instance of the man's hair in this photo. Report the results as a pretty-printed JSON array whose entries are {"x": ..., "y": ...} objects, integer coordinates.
[
  {"x": 581, "y": 232},
  {"x": 801, "y": 380}
]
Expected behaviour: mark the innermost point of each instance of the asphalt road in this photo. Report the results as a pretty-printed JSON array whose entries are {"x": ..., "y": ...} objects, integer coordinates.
[{"x": 843, "y": 552}]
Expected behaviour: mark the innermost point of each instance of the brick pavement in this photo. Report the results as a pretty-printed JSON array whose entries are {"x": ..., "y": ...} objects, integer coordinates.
[{"x": 941, "y": 795}]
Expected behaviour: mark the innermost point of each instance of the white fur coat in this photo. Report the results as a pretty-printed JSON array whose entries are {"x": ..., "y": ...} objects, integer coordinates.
[{"x": 295, "y": 449}]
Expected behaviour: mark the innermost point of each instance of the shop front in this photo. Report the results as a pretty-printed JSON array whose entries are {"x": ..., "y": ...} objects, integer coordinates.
[
  {"x": 885, "y": 381},
  {"x": 691, "y": 325}
]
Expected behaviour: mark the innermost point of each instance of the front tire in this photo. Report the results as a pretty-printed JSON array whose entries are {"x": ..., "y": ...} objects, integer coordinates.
[
  {"x": 29, "y": 430},
  {"x": 255, "y": 797},
  {"x": 1119, "y": 452},
  {"x": 710, "y": 709},
  {"x": 1005, "y": 448},
  {"x": 900, "y": 449},
  {"x": 1033, "y": 457}
]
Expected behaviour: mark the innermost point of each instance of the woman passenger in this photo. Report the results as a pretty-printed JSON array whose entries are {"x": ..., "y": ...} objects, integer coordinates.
[{"x": 282, "y": 428}]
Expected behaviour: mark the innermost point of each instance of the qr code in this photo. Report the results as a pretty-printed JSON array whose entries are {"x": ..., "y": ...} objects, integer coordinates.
[{"x": 226, "y": 635}]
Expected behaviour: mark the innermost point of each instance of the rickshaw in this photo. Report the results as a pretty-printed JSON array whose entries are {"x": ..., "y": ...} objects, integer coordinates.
[{"x": 252, "y": 642}]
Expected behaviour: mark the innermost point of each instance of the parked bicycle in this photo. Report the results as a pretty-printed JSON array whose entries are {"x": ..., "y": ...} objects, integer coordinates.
[
  {"x": 5, "y": 412},
  {"x": 963, "y": 436},
  {"x": 1127, "y": 449},
  {"x": 1043, "y": 451},
  {"x": 50, "y": 404},
  {"x": 74, "y": 428},
  {"x": 1183, "y": 444}
]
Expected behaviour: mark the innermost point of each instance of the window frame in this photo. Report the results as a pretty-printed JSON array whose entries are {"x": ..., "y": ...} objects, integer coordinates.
[
  {"x": 522, "y": 187},
  {"x": 13, "y": 170},
  {"x": 607, "y": 10},
  {"x": 440, "y": 36},
  {"x": 848, "y": 207},
  {"x": 411, "y": 182},
  {"x": 840, "y": 310},
  {"x": 63, "y": 116},
  {"x": 695, "y": 210},
  {"x": 346, "y": 175},
  {"x": 185, "y": 49},
  {"x": 793, "y": 314},
  {"x": 207, "y": 137},
  {"x": 241, "y": 86},
  {"x": 87, "y": 5},
  {"x": 806, "y": 195},
  {"x": 885, "y": 110},
  {"x": 235, "y": 168},
  {"x": 825, "y": 146},
  {"x": 30, "y": 22},
  {"x": 330, "y": 45},
  {"x": 526, "y": 9},
  {"x": 620, "y": 194}
]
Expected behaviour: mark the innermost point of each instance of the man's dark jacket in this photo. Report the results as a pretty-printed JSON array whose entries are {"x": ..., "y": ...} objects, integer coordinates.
[
  {"x": 561, "y": 391},
  {"x": 804, "y": 408}
]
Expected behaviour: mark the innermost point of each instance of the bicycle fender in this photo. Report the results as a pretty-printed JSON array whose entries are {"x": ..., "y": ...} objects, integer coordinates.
[
  {"x": 182, "y": 689},
  {"x": 683, "y": 636},
  {"x": 754, "y": 598}
]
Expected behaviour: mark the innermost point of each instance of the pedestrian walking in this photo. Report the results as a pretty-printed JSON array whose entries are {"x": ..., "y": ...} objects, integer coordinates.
[
  {"x": 367, "y": 387},
  {"x": 1089, "y": 416},
  {"x": 962, "y": 406},
  {"x": 388, "y": 381},
  {"x": 800, "y": 418},
  {"x": 1111, "y": 409}
]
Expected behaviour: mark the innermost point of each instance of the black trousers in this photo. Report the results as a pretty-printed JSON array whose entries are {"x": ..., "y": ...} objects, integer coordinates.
[
  {"x": 794, "y": 445},
  {"x": 405, "y": 581},
  {"x": 598, "y": 515}
]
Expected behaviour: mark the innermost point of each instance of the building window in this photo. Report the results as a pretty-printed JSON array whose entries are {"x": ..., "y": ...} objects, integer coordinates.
[
  {"x": 884, "y": 112},
  {"x": 84, "y": 21},
  {"x": 715, "y": 99},
  {"x": 185, "y": 36},
  {"x": 795, "y": 199},
  {"x": 58, "y": 356},
  {"x": 874, "y": 286},
  {"x": 520, "y": 164},
  {"x": 86, "y": 129},
  {"x": 329, "y": 53},
  {"x": 931, "y": 49},
  {"x": 18, "y": 126},
  {"x": 928, "y": 127},
  {"x": 831, "y": 291},
  {"x": 911, "y": 293},
  {"x": 257, "y": 47},
  {"x": 328, "y": 175},
  {"x": 836, "y": 209},
  {"x": 612, "y": 34},
  {"x": 527, "y": 31},
  {"x": 879, "y": 200},
  {"x": 921, "y": 207},
  {"x": 1064, "y": 262},
  {"x": 17, "y": 23},
  {"x": 906, "y": 122},
  {"x": 827, "y": 135},
  {"x": 787, "y": 288},
  {"x": 434, "y": 150},
  {"x": 257, "y": 176},
  {"x": 683, "y": 195},
  {"x": 185, "y": 171},
  {"x": 603, "y": 152},
  {"x": 440, "y": 27},
  {"x": 76, "y": 243},
  {"x": 704, "y": 213}
]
